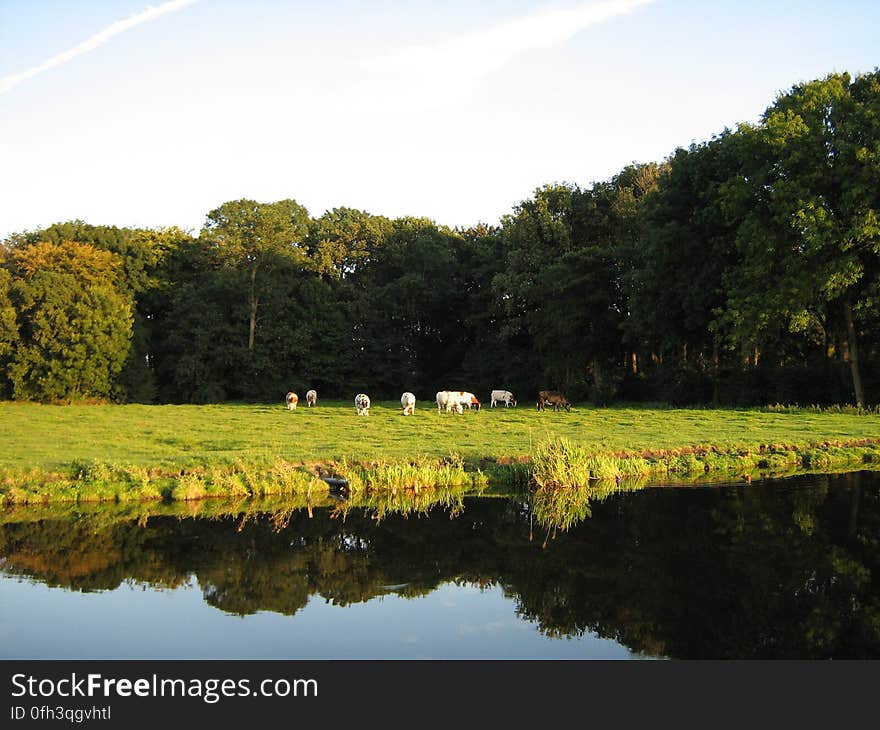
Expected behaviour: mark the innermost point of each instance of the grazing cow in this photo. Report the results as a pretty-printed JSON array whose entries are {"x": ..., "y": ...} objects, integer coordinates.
[
  {"x": 311, "y": 397},
  {"x": 408, "y": 403},
  {"x": 362, "y": 404},
  {"x": 505, "y": 397},
  {"x": 292, "y": 399},
  {"x": 467, "y": 399},
  {"x": 449, "y": 400},
  {"x": 553, "y": 398}
]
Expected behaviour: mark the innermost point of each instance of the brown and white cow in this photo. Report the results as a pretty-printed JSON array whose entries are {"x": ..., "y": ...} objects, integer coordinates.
[
  {"x": 292, "y": 399},
  {"x": 311, "y": 397},
  {"x": 408, "y": 403},
  {"x": 553, "y": 398},
  {"x": 468, "y": 400}
]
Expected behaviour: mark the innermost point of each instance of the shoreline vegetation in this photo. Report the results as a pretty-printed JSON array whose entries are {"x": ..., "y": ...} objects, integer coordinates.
[{"x": 589, "y": 452}]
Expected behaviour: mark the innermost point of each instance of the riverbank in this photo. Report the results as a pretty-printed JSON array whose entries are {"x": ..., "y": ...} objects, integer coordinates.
[{"x": 186, "y": 453}]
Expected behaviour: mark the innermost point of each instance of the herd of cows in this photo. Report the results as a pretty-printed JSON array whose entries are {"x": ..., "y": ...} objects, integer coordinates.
[{"x": 454, "y": 401}]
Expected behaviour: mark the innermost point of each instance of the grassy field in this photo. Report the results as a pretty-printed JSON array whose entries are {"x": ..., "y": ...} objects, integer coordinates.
[
  {"x": 136, "y": 452},
  {"x": 174, "y": 437}
]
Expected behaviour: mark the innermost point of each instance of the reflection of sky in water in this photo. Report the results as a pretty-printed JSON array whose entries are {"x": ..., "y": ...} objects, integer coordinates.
[{"x": 452, "y": 622}]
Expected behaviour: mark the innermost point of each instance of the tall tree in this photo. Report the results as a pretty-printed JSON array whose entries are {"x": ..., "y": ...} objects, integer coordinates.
[
  {"x": 563, "y": 278},
  {"x": 674, "y": 269},
  {"x": 344, "y": 239},
  {"x": 8, "y": 330},
  {"x": 143, "y": 255},
  {"x": 74, "y": 324},
  {"x": 809, "y": 210},
  {"x": 254, "y": 238},
  {"x": 407, "y": 311}
]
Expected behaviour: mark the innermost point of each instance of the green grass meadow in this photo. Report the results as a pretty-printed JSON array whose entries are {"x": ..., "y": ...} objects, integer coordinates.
[{"x": 169, "y": 437}]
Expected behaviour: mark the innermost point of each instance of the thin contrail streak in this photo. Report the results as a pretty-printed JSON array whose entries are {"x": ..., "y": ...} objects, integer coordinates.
[{"x": 120, "y": 26}]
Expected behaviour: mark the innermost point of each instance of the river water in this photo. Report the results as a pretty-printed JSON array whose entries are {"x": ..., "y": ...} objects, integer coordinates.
[{"x": 786, "y": 568}]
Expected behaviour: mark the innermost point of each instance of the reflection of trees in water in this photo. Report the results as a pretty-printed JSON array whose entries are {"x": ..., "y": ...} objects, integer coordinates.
[
  {"x": 81, "y": 555},
  {"x": 754, "y": 571},
  {"x": 748, "y": 572}
]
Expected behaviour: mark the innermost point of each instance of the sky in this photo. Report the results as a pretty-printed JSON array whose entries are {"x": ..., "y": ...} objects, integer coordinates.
[{"x": 154, "y": 112}]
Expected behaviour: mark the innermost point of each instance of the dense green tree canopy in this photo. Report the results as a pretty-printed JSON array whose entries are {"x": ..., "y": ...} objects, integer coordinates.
[
  {"x": 256, "y": 239},
  {"x": 8, "y": 331},
  {"x": 744, "y": 269},
  {"x": 74, "y": 326}
]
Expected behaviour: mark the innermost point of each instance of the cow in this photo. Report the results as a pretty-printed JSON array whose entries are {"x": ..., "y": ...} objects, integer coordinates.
[
  {"x": 449, "y": 400},
  {"x": 503, "y": 396},
  {"x": 362, "y": 404},
  {"x": 292, "y": 399},
  {"x": 468, "y": 399},
  {"x": 311, "y": 397},
  {"x": 408, "y": 403},
  {"x": 553, "y": 398}
]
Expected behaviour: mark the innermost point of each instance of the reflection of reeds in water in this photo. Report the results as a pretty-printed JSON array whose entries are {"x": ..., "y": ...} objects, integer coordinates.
[
  {"x": 559, "y": 506},
  {"x": 104, "y": 513},
  {"x": 568, "y": 478},
  {"x": 410, "y": 487},
  {"x": 404, "y": 502}
]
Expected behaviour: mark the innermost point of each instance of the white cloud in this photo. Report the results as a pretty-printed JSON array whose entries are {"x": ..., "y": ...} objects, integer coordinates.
[
  {"x": 120, "y": 26},
  {"x": 450, "y": 66}
]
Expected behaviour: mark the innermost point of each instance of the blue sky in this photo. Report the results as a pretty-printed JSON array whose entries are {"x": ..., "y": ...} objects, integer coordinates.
[{"x": 117, "y": 114}]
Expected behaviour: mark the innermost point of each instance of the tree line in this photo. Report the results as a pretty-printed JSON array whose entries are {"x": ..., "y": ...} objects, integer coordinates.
[{"x": 740, "y": 270}]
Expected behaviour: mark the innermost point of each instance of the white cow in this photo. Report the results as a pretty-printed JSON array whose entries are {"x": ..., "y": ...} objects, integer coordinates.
[
  {"x": 292, "y": 399},
  {"x": 311, "y": 397},
  {"x": 408, "y": 403},
  {"x": 503, "y": 396},
  {"x": 362, "y": 404},
  {"x": 449, "y": 400}
]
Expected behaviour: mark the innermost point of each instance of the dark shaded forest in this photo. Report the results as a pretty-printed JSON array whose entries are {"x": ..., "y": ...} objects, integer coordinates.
[{"x": 741, "y": 270}]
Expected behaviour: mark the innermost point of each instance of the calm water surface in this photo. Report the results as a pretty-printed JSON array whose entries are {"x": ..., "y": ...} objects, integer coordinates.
[{"x": 772, "y": 569}]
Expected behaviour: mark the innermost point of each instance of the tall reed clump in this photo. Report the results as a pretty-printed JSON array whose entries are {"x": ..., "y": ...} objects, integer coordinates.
[
  {"x": 416, "y": 475},
  {"x": 85, "y": 481},
  {"x": 95, "y": 481},
  {"x": 567, "y": 479},
  {"x": 508, "y": 474},
  {"x": 244, "y": 480},
  {"x": 561, "y": 462}
]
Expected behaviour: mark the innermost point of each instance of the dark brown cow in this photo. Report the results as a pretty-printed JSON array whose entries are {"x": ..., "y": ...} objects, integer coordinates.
[{"x": 553, "y": 398}]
